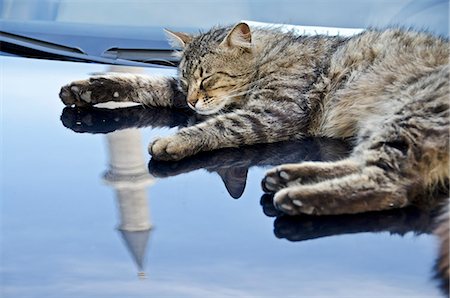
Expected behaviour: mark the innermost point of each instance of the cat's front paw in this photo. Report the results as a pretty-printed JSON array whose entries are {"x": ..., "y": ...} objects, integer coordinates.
[
  {"x": 70, "y": 94},
  {"x": 171, "y": 148},
  {"x": 92, "y": 91}
]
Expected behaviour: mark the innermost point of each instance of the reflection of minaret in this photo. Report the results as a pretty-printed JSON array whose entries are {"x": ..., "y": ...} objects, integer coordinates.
[{"x": 128, "y": 174}]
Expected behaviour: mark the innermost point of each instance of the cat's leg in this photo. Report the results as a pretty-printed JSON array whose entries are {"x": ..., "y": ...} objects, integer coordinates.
[
  {"x": 395, "y": 165},
  {"x": 306, "y": 173},
  {"x": 235, "y": 129},
  {"x": 370, "y": 190},
  {"x": 147, "y": 90}
]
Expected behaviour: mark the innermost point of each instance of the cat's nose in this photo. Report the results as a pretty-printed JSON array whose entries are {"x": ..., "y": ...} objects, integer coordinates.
[{"x": 192, "y": 100}]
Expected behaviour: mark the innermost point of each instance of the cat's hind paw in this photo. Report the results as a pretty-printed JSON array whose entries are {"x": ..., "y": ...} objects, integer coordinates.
[
  {"x": 370, "y": 190},
  {"x": 305, "y": 173},
  {"x": 277, "y": 178},
  {"x": 292, "y": 201}
]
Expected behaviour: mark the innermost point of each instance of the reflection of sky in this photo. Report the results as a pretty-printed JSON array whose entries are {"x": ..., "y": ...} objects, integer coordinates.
[{"x": 58, "y": 219}]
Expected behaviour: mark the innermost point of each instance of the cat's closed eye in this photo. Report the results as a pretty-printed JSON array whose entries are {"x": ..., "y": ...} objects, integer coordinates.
[{"x": 209, "y": 82}]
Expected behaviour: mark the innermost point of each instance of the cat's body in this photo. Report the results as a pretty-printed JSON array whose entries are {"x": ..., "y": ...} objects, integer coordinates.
[{"x": 387, "y": 90}]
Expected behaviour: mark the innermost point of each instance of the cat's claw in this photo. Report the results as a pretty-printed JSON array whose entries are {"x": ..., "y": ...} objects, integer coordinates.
[{"x": 168, "y": 149}]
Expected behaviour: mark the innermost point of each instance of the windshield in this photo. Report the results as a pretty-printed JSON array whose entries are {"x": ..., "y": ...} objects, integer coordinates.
[{"x": 136, "y": 23}]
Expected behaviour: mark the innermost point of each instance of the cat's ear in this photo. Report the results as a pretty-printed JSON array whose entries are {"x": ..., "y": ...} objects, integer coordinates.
[
  {"x": 239, "y": 36},
  {"x": 178, "y": 39}
]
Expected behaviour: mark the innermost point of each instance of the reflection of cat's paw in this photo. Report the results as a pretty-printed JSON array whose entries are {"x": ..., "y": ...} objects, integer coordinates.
[
  {"x": 268, "y": 207},
  {"x": 170, "y": 149},
  {"x": 91, "y": 92}
]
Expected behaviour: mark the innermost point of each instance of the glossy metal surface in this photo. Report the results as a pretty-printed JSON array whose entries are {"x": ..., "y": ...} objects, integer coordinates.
[{"x": 86, "y": 213}]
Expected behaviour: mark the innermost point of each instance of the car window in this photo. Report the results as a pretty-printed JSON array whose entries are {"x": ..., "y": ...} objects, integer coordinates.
[{"x": 131, "y": 19}]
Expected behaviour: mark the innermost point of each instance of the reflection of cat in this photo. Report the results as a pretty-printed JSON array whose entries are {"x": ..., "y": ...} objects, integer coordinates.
[
  {"x": 307, "y": 227},
  {"x": 103, "y": 120},
  {"x": 233, "y": 164}
]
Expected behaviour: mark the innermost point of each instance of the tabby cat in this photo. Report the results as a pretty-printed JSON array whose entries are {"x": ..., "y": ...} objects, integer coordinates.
[{"x": 386, "y": 90}]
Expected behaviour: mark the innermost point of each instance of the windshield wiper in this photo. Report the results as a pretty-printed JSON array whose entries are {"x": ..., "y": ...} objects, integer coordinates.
[
  {"x": 34, "y": 48},
  {"x": 160, "y": 57}
]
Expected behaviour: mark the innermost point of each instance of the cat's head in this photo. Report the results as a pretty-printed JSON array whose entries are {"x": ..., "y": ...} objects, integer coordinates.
[{"x": 215, "y": 67}]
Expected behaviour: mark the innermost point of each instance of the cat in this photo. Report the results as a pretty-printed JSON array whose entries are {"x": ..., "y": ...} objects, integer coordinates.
[{"x": 386, "y": 90}]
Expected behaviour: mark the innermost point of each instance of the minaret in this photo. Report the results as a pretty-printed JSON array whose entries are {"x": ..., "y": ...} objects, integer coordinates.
[{"x": 128, "y": 174}]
